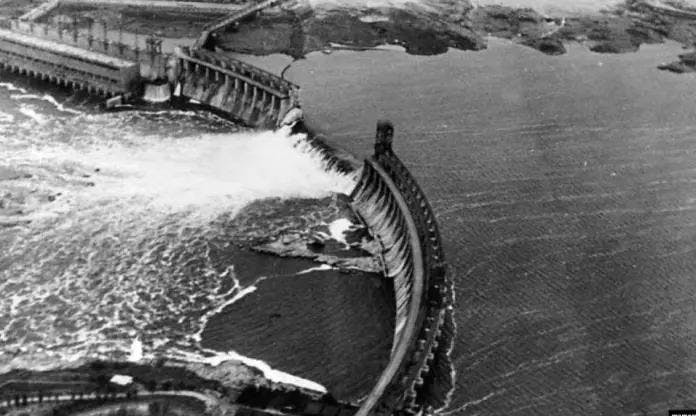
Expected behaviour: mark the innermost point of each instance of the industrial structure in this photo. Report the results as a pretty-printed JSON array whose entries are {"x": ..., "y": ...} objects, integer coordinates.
[{"x": 67, "y": 65}]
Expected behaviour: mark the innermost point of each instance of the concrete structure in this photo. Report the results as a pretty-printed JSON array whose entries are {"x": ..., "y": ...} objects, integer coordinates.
[
  {"x": 67, "y": 65},
  {"x": 241, "y": 91},
  {"x": 419, "y": 375},
  {"x": 232, "y": 20}
]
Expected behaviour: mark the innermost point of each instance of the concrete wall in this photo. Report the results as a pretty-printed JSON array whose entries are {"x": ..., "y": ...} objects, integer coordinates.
[
  {"x": 245, "y": 93},
  {"x": 419, "y": 375}
]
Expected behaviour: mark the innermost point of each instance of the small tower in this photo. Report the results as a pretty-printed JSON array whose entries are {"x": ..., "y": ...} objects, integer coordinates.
[{"x": 385, "y": 135}]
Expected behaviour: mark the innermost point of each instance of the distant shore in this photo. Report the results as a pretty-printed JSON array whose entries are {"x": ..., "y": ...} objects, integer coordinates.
[{"x": 299, "y": 27}]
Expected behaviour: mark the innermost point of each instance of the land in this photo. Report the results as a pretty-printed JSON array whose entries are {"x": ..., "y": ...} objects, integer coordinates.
[
  {"x": 182, "y": 388},
  {"x": 426, "y": 27}
]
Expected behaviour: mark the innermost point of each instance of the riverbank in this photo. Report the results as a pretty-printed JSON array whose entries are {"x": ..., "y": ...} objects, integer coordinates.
[{"x": 299, "y": 27}]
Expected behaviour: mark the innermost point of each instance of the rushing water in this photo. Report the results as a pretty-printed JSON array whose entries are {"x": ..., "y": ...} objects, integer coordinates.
[
  {"x": 123, "y": 226},
  {"x": 565, "y": 188}
]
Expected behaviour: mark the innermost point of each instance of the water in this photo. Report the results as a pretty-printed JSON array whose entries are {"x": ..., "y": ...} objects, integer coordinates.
[
  {"x": 566, "y": 192},
  {"x": 131, "y": 227},
  {"x": 564, "y": 187}
]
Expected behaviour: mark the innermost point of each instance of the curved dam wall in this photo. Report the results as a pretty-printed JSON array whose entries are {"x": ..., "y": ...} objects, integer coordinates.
[
  {"x": 242, "y": 91},
  {"x": 419, "y": 375}
]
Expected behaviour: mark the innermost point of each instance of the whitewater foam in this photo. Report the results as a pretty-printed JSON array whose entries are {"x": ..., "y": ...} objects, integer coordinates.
[
  {"x": 119, "y": 227},
  {"x": 11, "y": 87},
  {"x": 45, "y": 97},
  {"x": 30, "y": 112},
  {"x": 322, "y": 268},
  {"x": 338, "y": 229},
  {"x": 269, "y": 373},
  {"x": 206, "y": 175}
]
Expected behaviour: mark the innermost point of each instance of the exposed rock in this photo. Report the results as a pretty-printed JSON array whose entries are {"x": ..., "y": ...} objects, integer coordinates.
[
  {"x": 293, "y": 245},
  {"x": 549, "y": 46},
  {"x": 301, "y": 29},
  {"x": 686, "y": 63}
]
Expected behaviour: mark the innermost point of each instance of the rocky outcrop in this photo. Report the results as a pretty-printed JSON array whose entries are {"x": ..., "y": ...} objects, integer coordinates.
[{"x": 686, "y": 63}]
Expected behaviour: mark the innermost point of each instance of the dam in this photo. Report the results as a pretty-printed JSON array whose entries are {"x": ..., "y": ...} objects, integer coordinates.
[
  {"x": 126, "y": 73},
  {"x": 418, "y": 378}
]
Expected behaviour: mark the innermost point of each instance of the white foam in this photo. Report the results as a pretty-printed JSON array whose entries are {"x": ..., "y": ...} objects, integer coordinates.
[
  {"x": 239, "y": 293},
  {"x": 31, "y": 112},
  {"x": 136, "y": 351},
  {"x": 157, "y": 93},
  {"x": 11, "y": 87},
  {"x": 47, "y": 98},
  {"x": 338, "y": 228},
  {"x": 6, "y": 118},
  {"x": 268, "y": 372},
  {"x": 322, "y": 268},
  {"x": 129, "y": 200},
  {"x": 208, "y": 174},
  {"x": 121, "y": 380}
]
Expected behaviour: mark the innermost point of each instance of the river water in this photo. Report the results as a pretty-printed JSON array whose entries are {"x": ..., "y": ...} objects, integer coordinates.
[{"x": 565, "y": 188}]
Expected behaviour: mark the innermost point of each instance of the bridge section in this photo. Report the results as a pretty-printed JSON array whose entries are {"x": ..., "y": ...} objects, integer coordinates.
[
  {"x": 232, "y": 20},
  {"x": 419, "y": 375},
  {"x": 241, "y": 91}
]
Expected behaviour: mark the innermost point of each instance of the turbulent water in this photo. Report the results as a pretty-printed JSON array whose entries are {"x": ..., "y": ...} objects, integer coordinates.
[
  {"x": 124, "y": 226},
  {"x": 565, "y": 188}
]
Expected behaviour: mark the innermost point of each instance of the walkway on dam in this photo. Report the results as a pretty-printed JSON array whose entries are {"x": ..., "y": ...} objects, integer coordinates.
[{"x": 233, "y": 19}]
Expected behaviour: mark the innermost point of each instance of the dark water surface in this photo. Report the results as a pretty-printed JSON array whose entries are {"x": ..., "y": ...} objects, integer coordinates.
[{"x": 566, "y": 192}]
